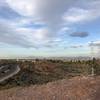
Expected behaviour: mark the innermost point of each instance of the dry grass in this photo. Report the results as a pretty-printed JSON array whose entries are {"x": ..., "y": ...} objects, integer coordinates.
[{"x": 78, "y": 88}]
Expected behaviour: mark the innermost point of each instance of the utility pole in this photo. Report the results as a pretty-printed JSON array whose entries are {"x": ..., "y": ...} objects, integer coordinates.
[
  {"x": 93, "y": 59},
  {"x": 92, "y": 69}
]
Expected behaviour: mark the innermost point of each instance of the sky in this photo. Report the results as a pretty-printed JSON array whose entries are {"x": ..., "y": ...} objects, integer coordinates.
[{"x": 49, "y": 28}]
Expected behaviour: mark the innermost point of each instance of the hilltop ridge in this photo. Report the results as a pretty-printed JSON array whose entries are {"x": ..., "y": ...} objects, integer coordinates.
[{"x": 77, "y": 88}]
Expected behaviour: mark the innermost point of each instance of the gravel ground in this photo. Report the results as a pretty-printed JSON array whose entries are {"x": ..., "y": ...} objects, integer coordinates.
[{"x": 78, "y": 88}]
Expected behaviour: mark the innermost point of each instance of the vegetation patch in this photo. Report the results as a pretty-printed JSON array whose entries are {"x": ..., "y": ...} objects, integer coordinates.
[{"x": 43, "y": 71}]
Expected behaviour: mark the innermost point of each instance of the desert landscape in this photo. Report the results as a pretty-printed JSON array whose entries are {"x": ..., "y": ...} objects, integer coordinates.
[
  {"x": 46, "y": 79},
  {"x": 49, "y": 49},
  {"x": 78, "y": 88}
]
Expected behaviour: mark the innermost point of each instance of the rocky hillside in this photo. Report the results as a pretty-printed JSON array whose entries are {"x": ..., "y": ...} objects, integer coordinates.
[{"x": 77, "y": 88}]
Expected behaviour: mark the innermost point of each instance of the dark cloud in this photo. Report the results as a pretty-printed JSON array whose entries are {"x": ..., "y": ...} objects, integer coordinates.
[
  {"x": 79, "y": 34},
  {"x": 76, "y": 46}
]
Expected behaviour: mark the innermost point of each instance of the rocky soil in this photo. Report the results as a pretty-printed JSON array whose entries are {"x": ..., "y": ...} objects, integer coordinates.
[{"x": 77, "y": 88}]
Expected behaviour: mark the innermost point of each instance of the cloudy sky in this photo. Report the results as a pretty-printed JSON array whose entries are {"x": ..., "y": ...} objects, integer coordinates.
[{"x": 49, "y": 27}]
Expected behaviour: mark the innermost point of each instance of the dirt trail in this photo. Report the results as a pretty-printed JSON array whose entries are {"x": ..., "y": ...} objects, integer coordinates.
[
  {"x": 78, "y": 88},
  {"x": 10, "y": 74}
]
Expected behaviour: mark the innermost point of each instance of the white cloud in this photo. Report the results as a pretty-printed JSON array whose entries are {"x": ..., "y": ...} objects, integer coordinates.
[
  {"x": 79, "y": 14},
  {"x": 23, "y": 7},
  {"x": 9, "y": 34},
  {"x": 40, "y": 34},
  {"x": 53, "y": 10},
  {"x": 95, "y": 47},
  {"x": 76, "y": 15},
  {"x": 94, "y": 43},
  {"x": 47, "y": 11},
  {"x": 53, "y": 13}
]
